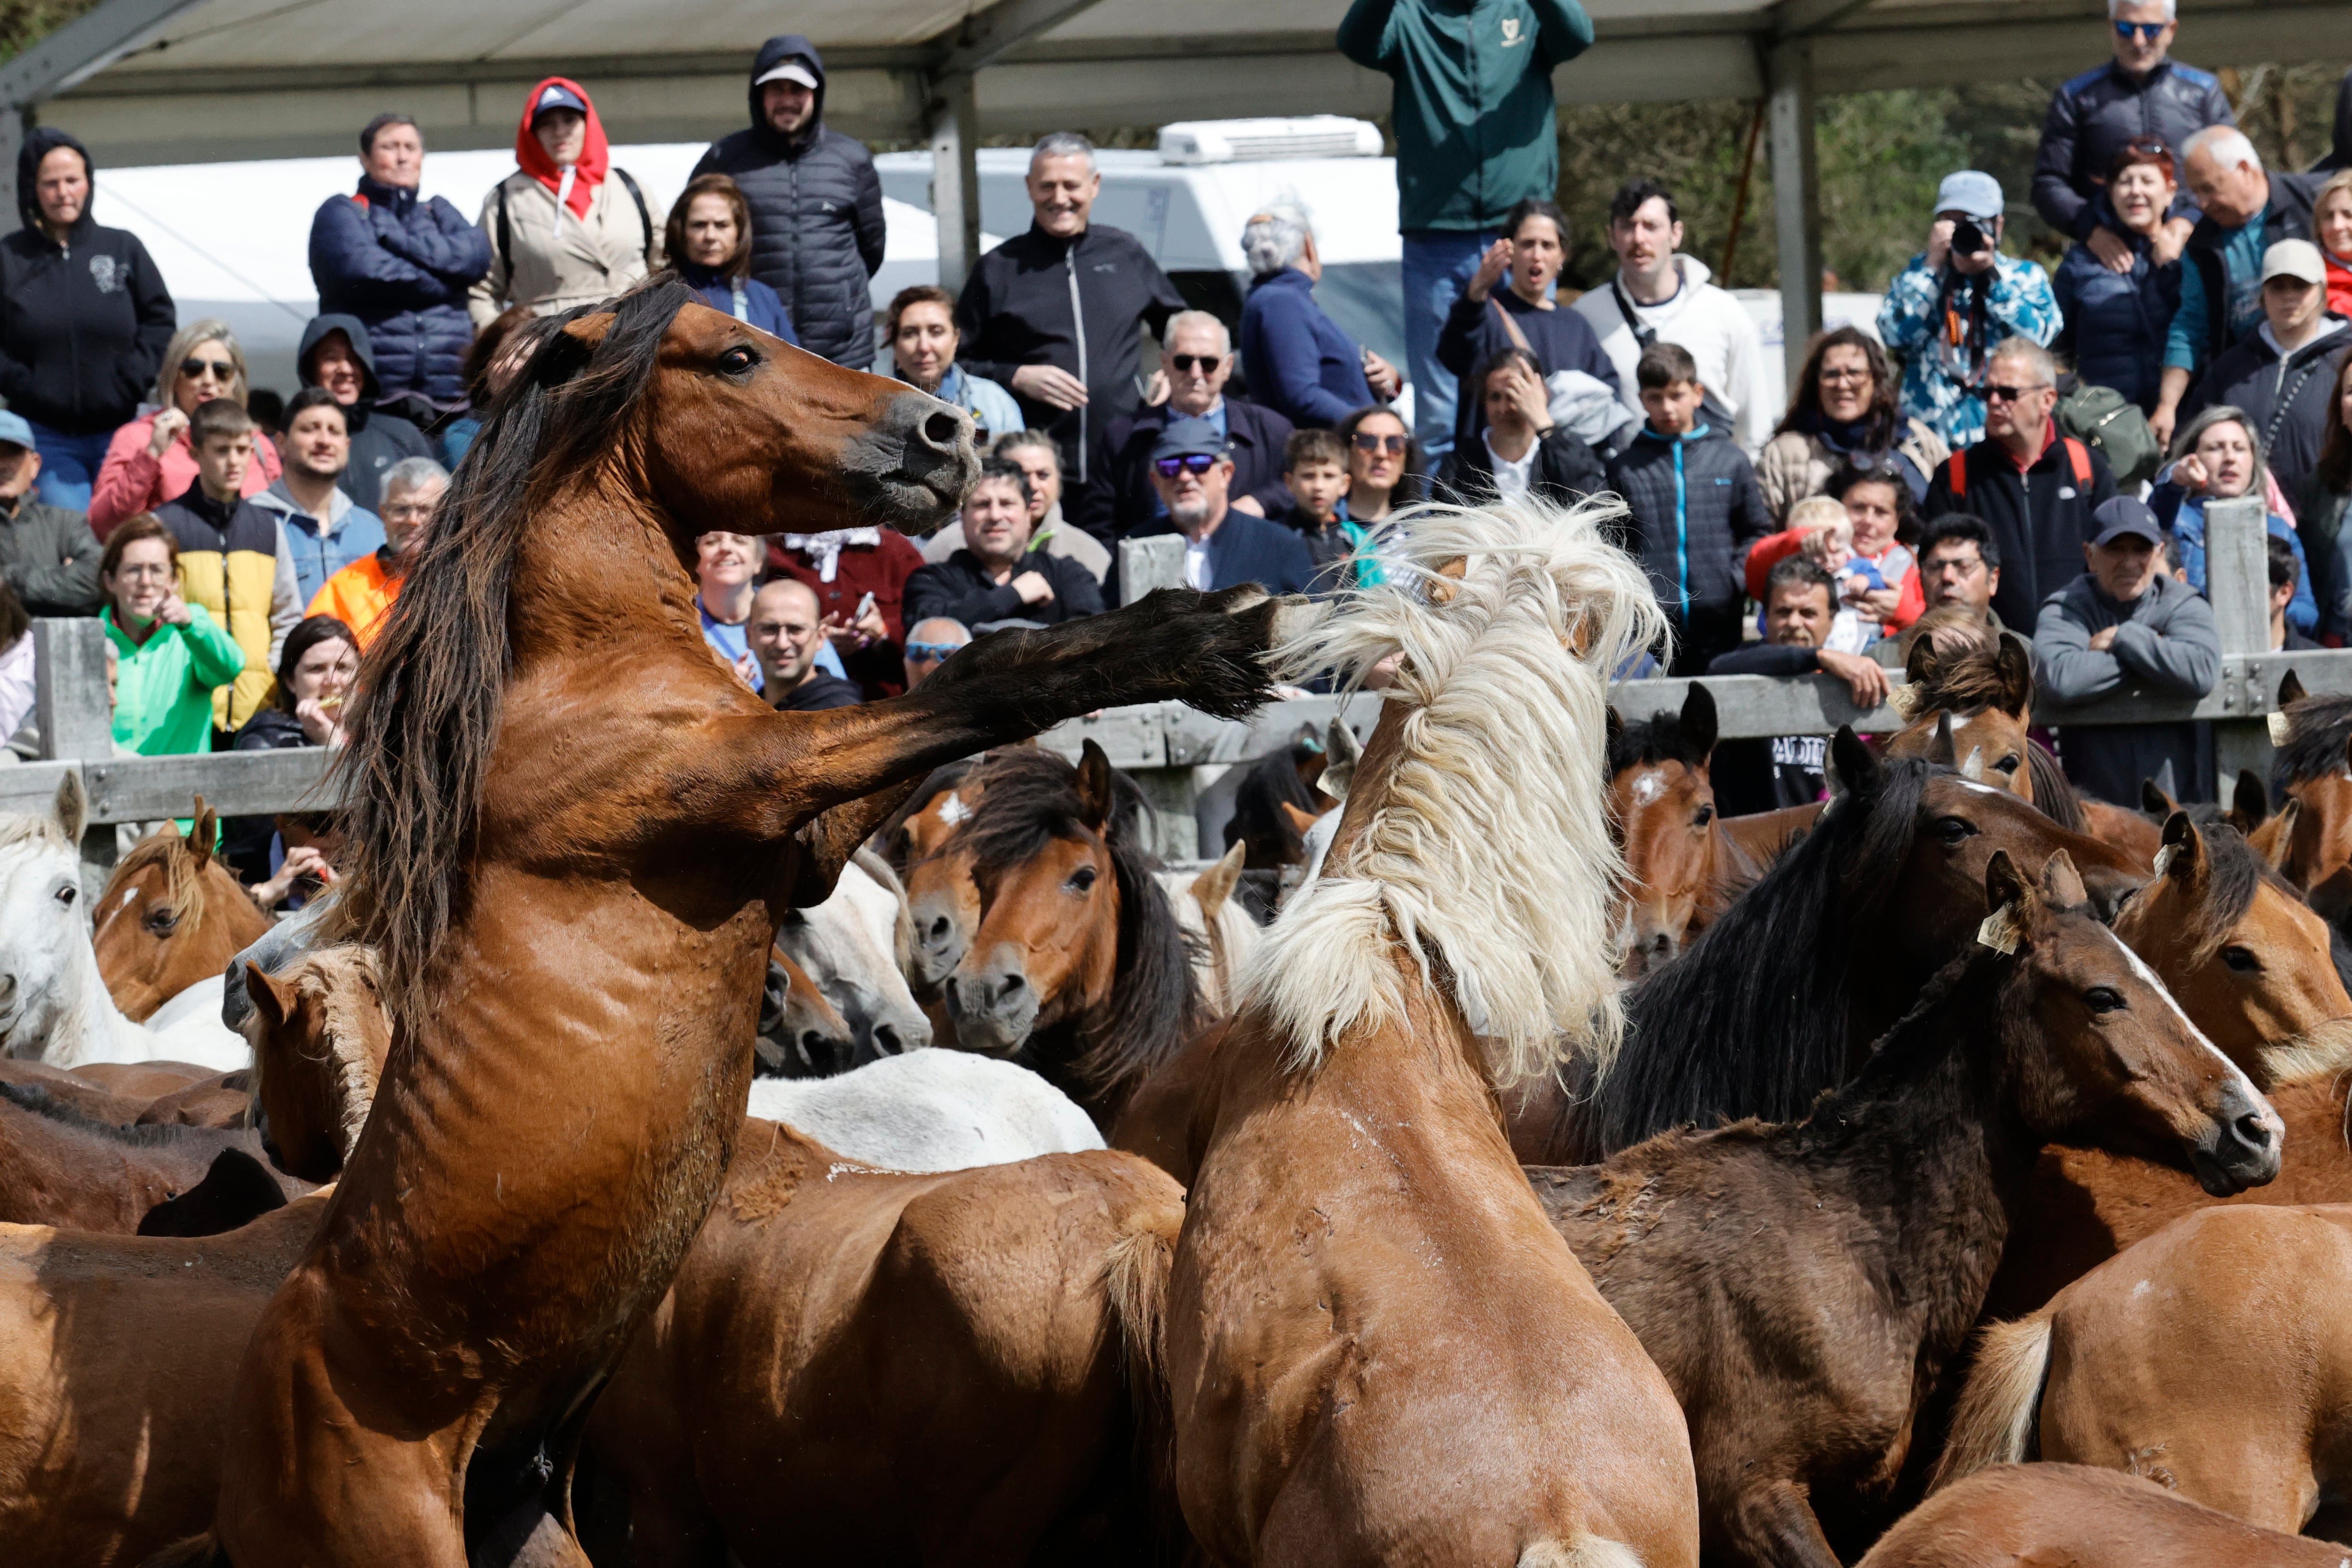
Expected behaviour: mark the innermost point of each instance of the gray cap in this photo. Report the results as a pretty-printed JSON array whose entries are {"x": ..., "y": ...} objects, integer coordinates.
[
  {"x": 1972, "y": 192},
  {"x": 1188, "y": 437},
  {"x": 2125, "y": 514}
]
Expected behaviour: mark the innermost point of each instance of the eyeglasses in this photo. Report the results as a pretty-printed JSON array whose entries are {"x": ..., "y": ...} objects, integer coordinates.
[
  {"x": 1190, "y": 463},
  {"x": 2148, "y": 31},
  {"x": 1186, "y": 363},
  {"x": 219, "y": 369},
  {"x": 142, "y": 571},
  {"x": 1840, "y": 377},
  {"x": 931, "y": 652},
  {"x": 1369, "y": 443},
  {"x": 2011, "y": 393}
]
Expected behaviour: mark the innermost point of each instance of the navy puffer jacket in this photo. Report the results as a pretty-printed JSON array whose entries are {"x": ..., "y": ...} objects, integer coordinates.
[
  {"x": 403, "y": 266},
  {"x": 817, "y": 231},
  {"x": 2115, "y": 321}
]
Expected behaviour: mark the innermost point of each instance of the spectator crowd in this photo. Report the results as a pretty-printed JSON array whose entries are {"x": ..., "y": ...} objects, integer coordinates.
[{"x": 2009, "y": 452}]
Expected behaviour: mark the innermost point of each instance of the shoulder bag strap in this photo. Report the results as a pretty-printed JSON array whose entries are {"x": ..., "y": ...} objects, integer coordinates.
[
  {"x": 645, "y": 214},
  {"x": 1643, "y": 335},
  {"x": 1519, "y": 338}
]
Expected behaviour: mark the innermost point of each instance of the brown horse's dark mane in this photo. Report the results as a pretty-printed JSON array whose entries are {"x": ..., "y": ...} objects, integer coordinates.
[
  {"x": 425, "y": 716},
  {"x": 2318, "y": 729},
  {"x": 2233, "y": 874},
  {"x": 1965, "y": 683},
  {"x": 1030, "y": 798}
]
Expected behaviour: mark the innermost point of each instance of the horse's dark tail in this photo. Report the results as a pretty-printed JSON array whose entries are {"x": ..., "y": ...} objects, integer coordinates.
[
  {"x": 1136, "y": 1275},
  {"x": 195, "y": 1551}
]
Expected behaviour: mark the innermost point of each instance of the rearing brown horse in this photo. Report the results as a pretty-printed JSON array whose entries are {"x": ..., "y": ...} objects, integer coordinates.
[{"x": 572, "y": 836}]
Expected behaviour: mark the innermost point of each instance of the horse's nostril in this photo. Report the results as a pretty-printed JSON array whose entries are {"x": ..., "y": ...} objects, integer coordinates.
[
  {"x": 1012, "y": 985},
  {"x": 940, "y": 431},
  {"x": 887, "y": 1040},
  {"x": 2252, "y": 1129},
  {"x": 940, "y": 929}
]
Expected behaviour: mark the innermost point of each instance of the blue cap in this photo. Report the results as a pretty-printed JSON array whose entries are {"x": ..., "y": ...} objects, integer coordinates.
[
  {"x": 2126, "y": 514},
  {"x": 552, "y": 96},
  {"x": 15, "y": 431},
  {"x": 1972, "y": 192},
  {"x": 1188, "y": 437}
]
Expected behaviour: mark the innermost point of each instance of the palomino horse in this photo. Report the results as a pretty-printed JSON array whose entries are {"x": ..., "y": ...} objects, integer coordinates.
[
  {"x": 2085, "y": 1519},
  {"x": 2213, "y": 1356},
  {"x": 54, "y": 1006},
  {"x": 572, "y": 834},
  {"x": 1078, "y": 964},
  {"x": 1380, "y": 1351},
  {"x": 172, "y": 915},
  {"x": 959, "y": 1370},
  {"x": 1681, "y": 870},
  {"x": 1748, "y": 1259}
]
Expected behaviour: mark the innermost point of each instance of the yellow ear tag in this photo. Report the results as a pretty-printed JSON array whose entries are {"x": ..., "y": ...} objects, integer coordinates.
[
  {"x": 2163, "y": 858},
  {"x": 1998, "y": 931},
  {"x": 2279, "y": 725}
]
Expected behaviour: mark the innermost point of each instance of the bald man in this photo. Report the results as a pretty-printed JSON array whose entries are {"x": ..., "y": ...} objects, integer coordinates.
[{"x": 785, "y": 631}]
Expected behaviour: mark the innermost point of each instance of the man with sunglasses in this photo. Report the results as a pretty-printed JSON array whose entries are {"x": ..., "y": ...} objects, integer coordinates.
[
  {"x": 1223, "y": 547},
  {"x": 2142, "y": 92},
  {"x": 2034, "y": 490},
  {"x": 930, "y": 644},
  {"x": 1197, "y": 359}
]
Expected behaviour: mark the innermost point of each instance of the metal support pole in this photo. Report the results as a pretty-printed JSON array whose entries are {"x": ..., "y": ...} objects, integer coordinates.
[
  {"x": 2238, "y": 582},
  {"x": 1796, "y": 197},
  {"x": 955, "y": 176},
  {"x": 12, "y": 140}
]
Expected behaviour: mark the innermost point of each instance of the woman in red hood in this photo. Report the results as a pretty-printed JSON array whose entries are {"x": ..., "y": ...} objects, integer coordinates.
[{"x": 566, "y": 227}]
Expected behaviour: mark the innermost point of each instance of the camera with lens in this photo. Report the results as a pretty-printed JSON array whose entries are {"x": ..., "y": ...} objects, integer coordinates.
[{"x": 1968, "y": 239}]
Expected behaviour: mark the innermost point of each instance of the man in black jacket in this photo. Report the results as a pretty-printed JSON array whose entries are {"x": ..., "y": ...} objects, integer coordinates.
[
  {"x": 1197, "y": 357},
  {"x": 817, "y": 231},
  {"x": 84, "y": 318},
  {"x": 996, "y": 576},
  {"x": 1766, "y": 775},
  {"x": 336, "y": 353},
  {"x": 1052, "y": 312}
]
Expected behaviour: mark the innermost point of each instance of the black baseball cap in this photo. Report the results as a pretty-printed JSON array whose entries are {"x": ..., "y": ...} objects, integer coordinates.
[{"x": 2124, "y": 515}]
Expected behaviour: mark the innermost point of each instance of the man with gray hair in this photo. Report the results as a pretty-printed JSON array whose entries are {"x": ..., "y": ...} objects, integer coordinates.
[
  {"x": 2140, "y": 94},
  {"x": 361, "y": 593},
  {"x": 1052, "y": 313},
  {"x": 1196, "y": 356},
  {"x": 2247, "y": 210},
  {"x": 1300, "y": 363}
]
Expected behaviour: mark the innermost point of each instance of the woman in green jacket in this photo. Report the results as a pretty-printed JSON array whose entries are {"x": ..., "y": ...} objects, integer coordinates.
[{"x": 170, "y": 657}]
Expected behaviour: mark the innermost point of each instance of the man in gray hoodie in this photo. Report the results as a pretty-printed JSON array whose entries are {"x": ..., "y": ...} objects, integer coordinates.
[{"x": 2129, "y": 625}]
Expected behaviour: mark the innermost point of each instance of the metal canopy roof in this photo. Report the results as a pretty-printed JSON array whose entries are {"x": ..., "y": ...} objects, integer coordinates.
[{"x": 150, "y": 81}]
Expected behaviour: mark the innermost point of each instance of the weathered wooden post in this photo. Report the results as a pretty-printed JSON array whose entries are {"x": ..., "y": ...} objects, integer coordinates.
[
  {"x": 2238, "y": 582},
  {"x": 1155, "y": 561},
  {"x": 75, "y": 714}
]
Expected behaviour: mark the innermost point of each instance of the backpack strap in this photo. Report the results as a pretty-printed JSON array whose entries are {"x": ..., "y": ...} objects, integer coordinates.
[
  {"x": 505, "y": 237},
  {"x": 2079, "y": 457},
  {"x": 1960, "y": 479},
  {"x": 645, "y": 214}
]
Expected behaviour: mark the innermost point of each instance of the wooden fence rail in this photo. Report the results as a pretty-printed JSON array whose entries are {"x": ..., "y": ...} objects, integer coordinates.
[{"x": 1168, "y": 746}]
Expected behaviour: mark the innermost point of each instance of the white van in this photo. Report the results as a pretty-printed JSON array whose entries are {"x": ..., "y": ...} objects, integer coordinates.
[{"x": 1187, "y": 202}]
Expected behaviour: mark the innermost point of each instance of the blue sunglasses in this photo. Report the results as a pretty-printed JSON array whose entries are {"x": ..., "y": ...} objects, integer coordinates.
[
  {"x": 2147, "y": 31},
  {"x": 931, "y": 652}
]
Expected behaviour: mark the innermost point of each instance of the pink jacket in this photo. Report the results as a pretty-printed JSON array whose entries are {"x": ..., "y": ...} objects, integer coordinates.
[{"x": 131, "y": 481}]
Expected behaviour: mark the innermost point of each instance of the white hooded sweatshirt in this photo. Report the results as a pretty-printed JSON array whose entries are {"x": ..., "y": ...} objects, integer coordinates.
[{"x": 1715, "y": 330}]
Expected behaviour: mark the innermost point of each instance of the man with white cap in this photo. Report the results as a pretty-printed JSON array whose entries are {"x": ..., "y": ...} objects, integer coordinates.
[
  {"x": 2283, "y": 373},
  {"x": 817, "y": 232},
  {"x": 1957, "y": 302},
  {"x": 2126, "y": 623}
]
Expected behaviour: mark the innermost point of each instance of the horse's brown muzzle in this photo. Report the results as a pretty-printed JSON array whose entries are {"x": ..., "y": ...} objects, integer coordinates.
[{"x": 916, "y": 462}]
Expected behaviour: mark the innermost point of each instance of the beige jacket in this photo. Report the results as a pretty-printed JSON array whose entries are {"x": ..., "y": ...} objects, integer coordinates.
[
  {"x": 554, "y": 267},
  {"x": 1793, "y": 466}
]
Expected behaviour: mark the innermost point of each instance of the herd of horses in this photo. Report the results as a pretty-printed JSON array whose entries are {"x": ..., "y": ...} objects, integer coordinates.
[{"x": 1566, "y": 1176}]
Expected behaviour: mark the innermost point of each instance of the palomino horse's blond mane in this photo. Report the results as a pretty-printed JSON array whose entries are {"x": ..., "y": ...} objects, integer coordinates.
[{"x": 1488, "y": 852}]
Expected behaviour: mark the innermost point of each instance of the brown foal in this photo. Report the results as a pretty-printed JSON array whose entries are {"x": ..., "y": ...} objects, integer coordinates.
[{"x": 172, "y": 915}]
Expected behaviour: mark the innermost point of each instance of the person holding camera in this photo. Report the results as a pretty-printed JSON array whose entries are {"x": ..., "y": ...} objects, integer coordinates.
[{"x": 1956, "y": 303}]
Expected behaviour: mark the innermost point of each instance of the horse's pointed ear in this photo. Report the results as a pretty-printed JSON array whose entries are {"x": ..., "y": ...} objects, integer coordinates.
[
  {"x": 2062, "y": 884},
  {"x": 2290, "y": 690},
  {"x": 1213, "y": 887},
  {"x": 1094, "y": 787},
  {"x": 2015, "y": 666},
  {"x": 1341, "y": 752},
  {"x": 1614, "y": 725},
  {"x": 2153, "y": 800},
  {"x": 1941, "y": 746},
  {"x": 2012, "y": 901},
  {"x": 1920, "y": 669},
  {"x": 204, "y": 831},
  {"x": 1857, "y": 768},
  {"x": 1300, "y": 819},
  {"x": 2182, "y": 857},
  {"x": 1698, "y": 722},
  {"x": 2249, "y": 803},
  {"x": 2280, "y": 838},
  {"x": 272, "y": 1000},
  {"x": 73, "y": 805}
]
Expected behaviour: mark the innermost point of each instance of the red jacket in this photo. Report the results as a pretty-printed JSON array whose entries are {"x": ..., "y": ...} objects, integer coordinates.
[
  {"x": 881, "y": 570},
  {"x": 1774, "y": 548}
]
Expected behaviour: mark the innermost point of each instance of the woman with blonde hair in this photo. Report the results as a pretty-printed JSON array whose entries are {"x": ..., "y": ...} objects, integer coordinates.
[{"x": 150, "y": 462}]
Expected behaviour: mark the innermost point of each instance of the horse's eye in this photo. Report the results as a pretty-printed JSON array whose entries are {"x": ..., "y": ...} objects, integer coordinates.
[
  {"x": 1954, "y": 829},
  {"x": 738, "y": 359},
  {"x": 1706, "y": 815},
  {"x": 2007, "y": 764},
  {"x": 66, "y": 895},
  {"x": 2241, "y": 960},
  {"x": 160, "y": 922},
  {"x": 2101, "y": 999},
  {"x": 1082, "y": 879}
]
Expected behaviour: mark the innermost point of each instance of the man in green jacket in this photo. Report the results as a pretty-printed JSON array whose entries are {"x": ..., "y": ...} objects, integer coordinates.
[{"x": 1475, "y": 131}]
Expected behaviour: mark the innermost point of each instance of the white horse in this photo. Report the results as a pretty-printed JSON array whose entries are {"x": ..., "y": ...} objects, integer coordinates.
[
  {"x": 854, "y": 947},
  {"x": 931, "y": 1110},
  {"x": 53, "y": 1005},
  {"x": 1228, "y": 938}
]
